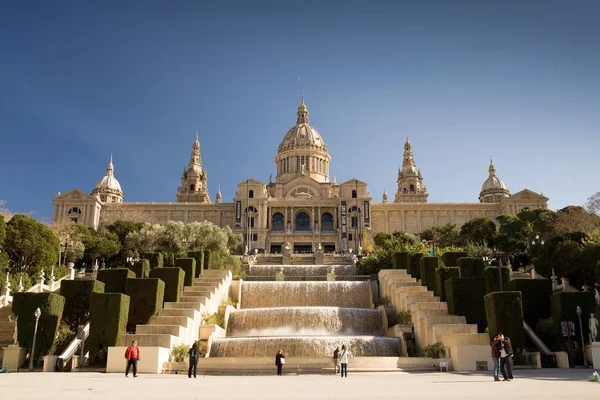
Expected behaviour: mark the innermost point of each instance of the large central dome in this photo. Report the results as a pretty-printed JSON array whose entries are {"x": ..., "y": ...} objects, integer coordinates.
[{"x": 302, "y": 151}]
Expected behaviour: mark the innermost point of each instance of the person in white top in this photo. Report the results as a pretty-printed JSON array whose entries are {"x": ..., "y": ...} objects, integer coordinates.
[{"x": 344, "y": 361}]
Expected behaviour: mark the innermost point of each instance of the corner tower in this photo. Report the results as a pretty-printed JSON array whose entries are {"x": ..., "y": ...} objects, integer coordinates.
[
  {"x": 194, "y": 181},
  {"x": 302, "y": 151},
  {"x": 410, "y": 180}
]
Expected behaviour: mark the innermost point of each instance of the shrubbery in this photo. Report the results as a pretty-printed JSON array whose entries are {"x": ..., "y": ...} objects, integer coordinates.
[
  {"x": 146, "y": 301},
  {"x": 155, "y": 259},
  {"x": 173, "y": 279},
  {"x": 442, "y": 274},
  {"x": 401, "y": 260},
  {"x": 115, "y": 279},
  {"x": 428, "y": 268},
  {"x": 436, "y": 350},
  {"x": 536, "y": 294},
  {"x": 78, "y": 295},
  {"x": 108, "y": 320},
  {"x": 188, "y": 265},
  {"x": 471, "y": 267},
  {"x": 464, "y": 296},
  {"x": 450, "y": 258},
  {"x": 197, "y": 255},
  {"x": 492, "y": 278},
  {"x": 141, "y": 268},
  {"x": 504, "y": 313}
]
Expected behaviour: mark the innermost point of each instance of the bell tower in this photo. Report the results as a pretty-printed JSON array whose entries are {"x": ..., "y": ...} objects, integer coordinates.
[
  {"x": 410, "y": 180},
  {"x": 194, "y": 180}
]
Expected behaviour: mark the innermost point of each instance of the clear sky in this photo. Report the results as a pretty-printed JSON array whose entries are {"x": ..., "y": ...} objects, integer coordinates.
[{"x": 517, "y": 80}]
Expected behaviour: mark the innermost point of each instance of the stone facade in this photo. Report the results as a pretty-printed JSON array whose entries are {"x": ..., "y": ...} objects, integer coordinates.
[{"x": 303, "y": 207}]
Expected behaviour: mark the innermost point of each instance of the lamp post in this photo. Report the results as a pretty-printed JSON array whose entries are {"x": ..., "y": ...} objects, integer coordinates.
[
  {"x": 37, "y": 315},
  {"x": 67, "y": 244},
  {"x": 132, "y": 260},
  {"x": 489, "y": 261},
  {"x": 585, "y": 363}
]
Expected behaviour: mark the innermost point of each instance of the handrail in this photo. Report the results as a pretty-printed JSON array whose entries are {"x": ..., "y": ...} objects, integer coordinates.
[{"x": 72, "y": 348}]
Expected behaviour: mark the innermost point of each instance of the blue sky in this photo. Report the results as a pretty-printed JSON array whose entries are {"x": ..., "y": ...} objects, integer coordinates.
[{"x": 517, "y": 80}]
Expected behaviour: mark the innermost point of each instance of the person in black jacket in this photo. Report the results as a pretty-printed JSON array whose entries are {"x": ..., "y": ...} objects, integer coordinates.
[
  {"x": 279, "y": 361},
  {"x": 194, "y": 355},
  {"x": 506, "y": 353}
]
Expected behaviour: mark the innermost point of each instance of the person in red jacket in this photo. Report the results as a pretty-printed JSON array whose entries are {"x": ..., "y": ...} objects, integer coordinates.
[
  {"x": 132, "y": 355},
  {"x": 496, "y": 345}
]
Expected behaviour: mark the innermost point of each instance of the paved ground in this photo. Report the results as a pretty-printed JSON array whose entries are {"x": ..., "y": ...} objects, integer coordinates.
[{"x": 530, "y": 384}]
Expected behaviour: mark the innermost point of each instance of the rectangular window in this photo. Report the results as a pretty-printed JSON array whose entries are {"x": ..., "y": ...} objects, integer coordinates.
[
  {"x": 297, "y": 163},
  {"x": 255, "y": 237},
  {"x": 307, "y": 163}
]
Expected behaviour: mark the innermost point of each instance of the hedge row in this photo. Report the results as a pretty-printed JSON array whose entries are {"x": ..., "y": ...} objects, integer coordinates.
[
  {"x": 414, "y": 268},
  {"x": 147, "y": 297},
  {"x": 156, "y": 260},
  {"x": 492, "y": 278},
  {"x": 108, "y": 321},
  {"x": 188, "y": 265},
  {"x": 173, "y": 279},
  {"x": 198, "y": 255},
  {"x": 536, "y": 294},
  {"x": 115, "y": 279},
  {"x": 208, "y": 264},
  {"x": 168, "y": 259},
  {"x": 442, "y": 274},
  {"x": 141, "y": 268},
  {"x": 78, "y": 295},
  {"x": 450, "y": 258},
  {"x": 504, "y": 312},
  {"x": 51, "y": 305},
  {"x": 401, "y": 260},
  {"x": 428, "y": 267},
  {"x": 471, "y": 267},
  {"x": 464, "y": 296},
  {"x": 564, "y": 308}
]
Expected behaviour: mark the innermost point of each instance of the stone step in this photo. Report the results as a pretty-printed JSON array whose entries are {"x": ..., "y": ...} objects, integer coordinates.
[
  {"x": 427, "y": 305},
  {"x": 462, "y": 339},
  {"x": 437, "y": 331},
  {"x": 148, "y": 340},
  {"x": 193, "y": 299},
  {"x": 175, "y": 330},
  {"x": 170, "y": 320},
  {"x": 191, "y": 305},
  {"x": 191, "y": 291},
  {"x": 180, "y": 312}
]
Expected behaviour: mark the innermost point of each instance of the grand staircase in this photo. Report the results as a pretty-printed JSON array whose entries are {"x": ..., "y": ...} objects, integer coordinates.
[{"x": 6, "y": 330}]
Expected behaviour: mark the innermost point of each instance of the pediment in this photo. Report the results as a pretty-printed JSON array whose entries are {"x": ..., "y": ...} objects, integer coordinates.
[
  {"x": 353, "y": 181},
  {"x": 303, "y": 188},
  {"x": 75, "y": 194},
  {"x": 527, "y": 194}
]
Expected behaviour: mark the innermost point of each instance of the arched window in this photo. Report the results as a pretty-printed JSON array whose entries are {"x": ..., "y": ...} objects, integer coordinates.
[
  {"x": 251, "y": 194},
  {"x": 353, "y": 194},
  {"x": 277, "y": 223},
  {"x": 412, "y": 188},
  {"x": 302, "y": 221},
  {"x": 250, "y": 214},
  {"x": 74, "y": 214},
  {"x": 192, "y": 187},
  {"x": 327, "y": 222}
]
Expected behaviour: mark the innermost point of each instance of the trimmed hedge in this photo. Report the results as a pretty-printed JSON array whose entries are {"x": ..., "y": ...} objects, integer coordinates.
[
  {"x": 536, "y": 295},
  {"x": 155, "y": 259},
  {"x": 442, "y": 274},
  {"x": 471, "y": 267},
  {"x": 428, "y": 267},
  {"x": 400, "y": 260},
  {"x": 168, "y": 260},
  {"x": 78, "y": 295},
  {"x": 492, "y": 282},
  {"x": 504, "y": 312},
  {"x": 450, "y": 258},
  {"x": 188, "y": 265},
  {"x": 51, "y": 305},
  {"x": 141, "y": 268},
  {"x": 147, "y": 297},
  {"x": 564, "y": 308},
  {"x": 208, "y": 264},
  {"x": 464, "y": 296},
  {"x": 198, "y": 255},
  {"x": 414, "y": 268},
  {"x": 108, "y": 321},
  {"x": 115, "y": 279},
  {"x": 173, "y": 279}
]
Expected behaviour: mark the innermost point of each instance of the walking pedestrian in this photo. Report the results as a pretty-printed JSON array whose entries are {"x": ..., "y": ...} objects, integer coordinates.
[
  {"x": 279, "y": 361},
  {"x": 344, "y": 361},
  {"x": 132, "y": 355},
  {"x": 496, "y": 345},
  {"x": 506, "y": 353},
  {"x": 194, "y": 355},
  {"x": 336, "y": 360}
]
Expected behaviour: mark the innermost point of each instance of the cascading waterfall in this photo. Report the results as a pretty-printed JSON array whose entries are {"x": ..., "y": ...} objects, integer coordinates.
[{"x": 302, "y": 270}]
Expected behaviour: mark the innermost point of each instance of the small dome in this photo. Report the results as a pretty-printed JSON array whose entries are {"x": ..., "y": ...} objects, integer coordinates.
[
  {"x": 302, "y": 135},
  {"x": 493, "y": 182},
  {"x": 108, "y": 185},
  {"x": 493, "y": 189}
]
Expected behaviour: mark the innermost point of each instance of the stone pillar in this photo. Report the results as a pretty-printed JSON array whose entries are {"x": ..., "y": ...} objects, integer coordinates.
[
  {"x": 6, "y": 289},
  {"x": 279, "y": 275},
  {"x": 40, "y": 281},
  {"x": 330, "y": 274},
  {"x": 71, "y": 267},
  {"x": 52, "y": 280},
  {"x": 20, "y": 288}
]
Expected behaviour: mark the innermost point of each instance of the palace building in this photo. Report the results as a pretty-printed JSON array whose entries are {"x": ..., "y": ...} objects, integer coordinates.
[{"x": 303, "y": 207}]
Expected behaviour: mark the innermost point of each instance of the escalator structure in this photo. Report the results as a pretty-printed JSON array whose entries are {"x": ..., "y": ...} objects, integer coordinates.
[
  {"x": 65, "y": 360},
  {"x": 548, "y": 358}
]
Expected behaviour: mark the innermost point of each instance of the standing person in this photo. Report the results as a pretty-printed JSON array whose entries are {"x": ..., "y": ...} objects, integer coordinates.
[
  {"x": 496, "y": 345},
  {"x": 132, "y": 355},
  {"x": 344, "y": 361},
  {"x": 336, "y": 360},
  {"x": 194, "y": 355},
  {"x": 279, "y": 361},
  {"x": 505, "y": 357}
]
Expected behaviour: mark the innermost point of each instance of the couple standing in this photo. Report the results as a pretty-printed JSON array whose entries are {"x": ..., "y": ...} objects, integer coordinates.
[
  {"x": 502, "y": 354},
  {"x": 340, "y": 361}
]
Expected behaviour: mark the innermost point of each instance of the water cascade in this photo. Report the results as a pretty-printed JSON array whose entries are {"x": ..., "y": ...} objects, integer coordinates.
[{"x": 302, "y": 270}]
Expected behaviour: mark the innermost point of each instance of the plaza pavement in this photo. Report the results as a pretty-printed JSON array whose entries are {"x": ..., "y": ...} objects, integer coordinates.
[{"x": 529, "y": 384}]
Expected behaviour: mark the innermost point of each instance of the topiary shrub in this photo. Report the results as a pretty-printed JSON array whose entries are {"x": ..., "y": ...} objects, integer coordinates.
[
  {"x": 156, "y": 260},
  {"x": 464, "y": 296},
  {"x": 115, "y": 279},
  {"x": 450, "y": 258},
  {"x": 168, "y": 259},
  {"x": 471, "y": 267},
  {"x": 428, "y": 267},
  {"x": 147, "y": 297},
  {"x": 400, "y": 260},
  {"x": 414, "y": 268},
  {"x": 108, "y": 321},
  {"x": 141, "y": 268},
  {"x": 492, "y": 279},
  {"x": 173, "y": 279},
  {"x": 564, "y": 308},
  {"x": 188, "y": 265},
  {"x": 78, "y": 295},
  {"x": 51, "y": 305},
  {"x": 198, "y": 255},
  {"x": 442, "y": 274},
  {"x": 536, "y": 294},
  {"x": 504, "y": 313},
  {"x": 208, "y": 262}
]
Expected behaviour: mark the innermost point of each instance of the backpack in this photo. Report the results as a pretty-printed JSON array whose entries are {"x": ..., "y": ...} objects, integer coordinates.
[{"x": 193, "y": 353}]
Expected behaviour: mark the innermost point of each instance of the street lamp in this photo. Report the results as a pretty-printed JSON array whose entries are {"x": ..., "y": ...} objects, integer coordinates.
[
  {"x": 67, "y": 244},
  {"x": 585, "y": 363},
  {"x": 132, "y": 260},
  {"x": 37, "y": 314},
  {"x": 489, "y": 261}
]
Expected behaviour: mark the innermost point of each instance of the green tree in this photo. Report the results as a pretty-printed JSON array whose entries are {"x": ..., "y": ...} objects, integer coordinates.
[
  {"x": 30, "y": 245},
  {"x": 3, "y": 255},
  {"x": 442, "y": 236},
  {"x": 123, "y": 228},
  {"x": 573, "y": 219},
  {"x": 478, "y": 231}
]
